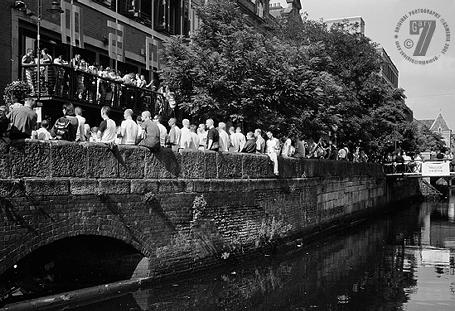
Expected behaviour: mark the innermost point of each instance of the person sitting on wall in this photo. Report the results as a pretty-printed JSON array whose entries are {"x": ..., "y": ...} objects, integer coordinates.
[
  {"x": 195, "y": 143},
  {"x": 128, "y": 129},
  {"x": 42, "y": 133},
  {"x": 23, "y": 120},
  {"x": 213, "y": 137},
  {"x": 260, "y": 142},
  {"x": 65, "y": 128},
  {"x": 174, "y": 134},
  {"x": 4, "y": 122},
  {"x": 250, "y": 145},
  {"x": 151, "y": 133},
  {"x": 107, "y": 131}
]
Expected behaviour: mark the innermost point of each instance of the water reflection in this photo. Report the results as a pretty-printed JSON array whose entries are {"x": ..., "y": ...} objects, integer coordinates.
[{"x": 401, "y": 262}]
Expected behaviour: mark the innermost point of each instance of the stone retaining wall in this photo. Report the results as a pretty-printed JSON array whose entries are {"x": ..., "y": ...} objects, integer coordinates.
[
  {"x": 183, "y": 212},
  {"x": 48, "y": 159}
]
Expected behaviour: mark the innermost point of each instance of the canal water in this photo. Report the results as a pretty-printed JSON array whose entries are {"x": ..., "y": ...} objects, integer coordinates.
[{"x": 401, "y": 261}]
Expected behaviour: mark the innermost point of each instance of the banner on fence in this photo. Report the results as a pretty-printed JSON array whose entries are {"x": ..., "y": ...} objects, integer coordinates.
[{"x": 440, "y": 168}]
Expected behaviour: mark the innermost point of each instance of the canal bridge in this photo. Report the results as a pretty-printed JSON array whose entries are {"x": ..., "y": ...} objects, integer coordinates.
[
  {"x": 432, "y": 170},
  {"x": 173, "y": 212}
]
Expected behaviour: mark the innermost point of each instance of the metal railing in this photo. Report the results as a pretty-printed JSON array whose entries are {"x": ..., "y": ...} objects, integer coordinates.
[
  {"x": 411, "y": 167},
  {"x": 64, "y": 82}
]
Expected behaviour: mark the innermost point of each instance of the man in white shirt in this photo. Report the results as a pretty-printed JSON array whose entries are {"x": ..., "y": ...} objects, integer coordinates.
[
  {"x": 81, "y": 128},
  {"x": 224, "y": 137},
  {"x": 185, "y": 135},
  {"x": 107, "y": 131},
  {"x": 128, "y": 129},
  {"x": 238, "y": 140},
  {"x": 163, "y": 130}
]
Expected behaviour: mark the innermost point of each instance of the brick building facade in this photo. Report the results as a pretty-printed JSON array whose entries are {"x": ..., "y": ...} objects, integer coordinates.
[{"x": 102, "y": 31}]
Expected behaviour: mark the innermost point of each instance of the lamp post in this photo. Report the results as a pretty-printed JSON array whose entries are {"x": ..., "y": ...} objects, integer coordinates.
[{"x": 55, "y": 8}]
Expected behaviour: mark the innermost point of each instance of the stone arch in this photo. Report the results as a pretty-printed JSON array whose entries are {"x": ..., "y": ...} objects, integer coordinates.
[{"x": 68, "y": 228}]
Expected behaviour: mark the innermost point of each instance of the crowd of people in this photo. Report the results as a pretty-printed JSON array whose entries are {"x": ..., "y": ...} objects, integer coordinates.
[{"x": 19, "y": 121}]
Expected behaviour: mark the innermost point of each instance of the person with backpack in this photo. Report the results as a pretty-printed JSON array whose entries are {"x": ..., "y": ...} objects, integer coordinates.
[{"x": 65, "y": 128}]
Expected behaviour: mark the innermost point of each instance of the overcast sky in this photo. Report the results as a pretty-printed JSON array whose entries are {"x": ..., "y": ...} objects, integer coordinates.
[{"x": 429, "y": 88}]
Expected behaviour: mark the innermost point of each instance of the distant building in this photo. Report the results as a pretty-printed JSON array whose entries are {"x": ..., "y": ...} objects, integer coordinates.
[
  {"x": 389, "y": 71},
  {"x": 356, "y": 21},
  {"x": 439, "y": 126},
  {"x": 284, "y": 8},
  {"x": 256, "y": 11}
]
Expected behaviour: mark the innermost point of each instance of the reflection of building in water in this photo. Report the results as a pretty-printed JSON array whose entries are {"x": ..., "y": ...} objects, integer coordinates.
[{"x": 432, "y": 258}]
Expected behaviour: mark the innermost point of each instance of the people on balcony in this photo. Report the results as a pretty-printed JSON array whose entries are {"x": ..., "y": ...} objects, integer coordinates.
[
  {"x": 45, "y": 58},
  {"x": 60, "y": 61},
  {"x": 28, "y": 60}
]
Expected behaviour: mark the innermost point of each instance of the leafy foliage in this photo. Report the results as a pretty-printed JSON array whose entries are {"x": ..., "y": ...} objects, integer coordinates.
[
  {"x": 18, "y": 89},
  {"x": 299, "y": 79}
]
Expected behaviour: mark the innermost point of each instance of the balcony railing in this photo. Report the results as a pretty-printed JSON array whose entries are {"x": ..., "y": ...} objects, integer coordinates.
[{"x": 66, "y": 83}]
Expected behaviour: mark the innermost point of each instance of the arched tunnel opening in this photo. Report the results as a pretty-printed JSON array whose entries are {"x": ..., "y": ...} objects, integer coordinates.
[{"x": 68, "y": 264}]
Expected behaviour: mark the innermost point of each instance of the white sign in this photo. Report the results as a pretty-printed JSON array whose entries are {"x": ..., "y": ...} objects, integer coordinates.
[{"x": 436, "y": 168}]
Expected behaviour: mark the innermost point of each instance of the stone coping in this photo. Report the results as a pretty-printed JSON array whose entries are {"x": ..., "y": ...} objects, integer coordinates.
[{"x": 57, "y": 159}]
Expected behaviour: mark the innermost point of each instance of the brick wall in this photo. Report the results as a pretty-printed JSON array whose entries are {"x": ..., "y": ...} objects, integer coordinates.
[{"x": 181, "y": 211}]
